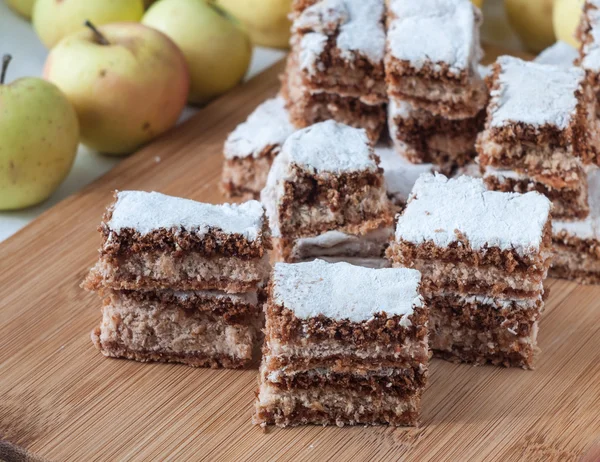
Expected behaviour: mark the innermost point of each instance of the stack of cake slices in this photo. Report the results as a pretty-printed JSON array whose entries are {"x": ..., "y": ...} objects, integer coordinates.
[
  {"x": 326, "y": 197},
  {"x": 483, "y": 266},
  {"x": 180, "y": 281},
  {"x": 437, "y": 96},
  {"x": 339, "y": 356},
  {"x": 549, "y": 144},
  {"x": 335, "y": 66}
]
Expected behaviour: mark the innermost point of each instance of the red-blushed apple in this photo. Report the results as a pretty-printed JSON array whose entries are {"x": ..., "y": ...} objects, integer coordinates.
[
  {"x": 55, "y": 19},
  {"x": 39, "y": 134},
  {"x": 127, "y": 82},
  {"x": 217, "y": 50}
]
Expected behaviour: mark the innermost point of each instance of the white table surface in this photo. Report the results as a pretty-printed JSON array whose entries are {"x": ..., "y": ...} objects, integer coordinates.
[{"x": 18, "y": 38}]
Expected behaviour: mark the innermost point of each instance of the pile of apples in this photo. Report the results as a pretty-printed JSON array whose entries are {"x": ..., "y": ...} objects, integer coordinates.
[{"x": 118, "y": 74}]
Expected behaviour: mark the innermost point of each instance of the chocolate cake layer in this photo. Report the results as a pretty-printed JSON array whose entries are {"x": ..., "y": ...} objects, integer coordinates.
[
  {"x": 482, "y": 330},
  {"x": 569, "y": 204},
  {"x": 179, "y": 271},
  {"x": 576, "y": 260},
  {"x": 245, "y": 177},
  {"x": 333, "y": 406}
]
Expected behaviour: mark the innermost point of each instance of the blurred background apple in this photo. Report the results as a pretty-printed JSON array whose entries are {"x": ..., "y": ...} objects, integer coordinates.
[
  {"x": 266, "y": 21},
  {"x": 532, "y": 21},
  {"x": 565, "y": 17},
  {"x": 128, "y": 84},
  {"x": 55, "y": 19},
  {"x": 23, "y": 7},
  {"x": 217, "y": 50},
  {"x": 39, "y": 134}
]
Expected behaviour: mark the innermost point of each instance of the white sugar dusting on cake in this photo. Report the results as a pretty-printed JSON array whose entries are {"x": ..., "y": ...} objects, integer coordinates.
[
  {"x": 145, "y": 212},
  {"x": 439, "y": 208},
  {"x": 359, "y": 27},
  {"x": 320, "y": 288},
  {"x": 436, "y": 32},
  {"x": 560, "y": 54},
  {"x": 400, "y": 175},
  {"x": 591, "y": 51},
  {"x": 503, "y": 174},
  {"x": 534, "y": 94},
  {"x": 268, "y": 126},
  {"x": 330, "y": 147}
]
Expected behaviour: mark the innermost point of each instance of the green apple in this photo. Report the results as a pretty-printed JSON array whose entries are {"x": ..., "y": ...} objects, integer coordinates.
[
  {"x": 39, "y": 134},
  {"x": 55, "y": 19},
  {"x": 266, "y": 21},
  {"x": 217, "y": 50},
  {"x": 127, "y": 82},
  {"x": 23, "y": 7}
]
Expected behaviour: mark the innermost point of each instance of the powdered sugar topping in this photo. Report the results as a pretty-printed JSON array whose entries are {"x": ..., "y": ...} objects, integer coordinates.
[
  {"x": 440, "y": 208},
  {"x": 534, "y": 94},
  {"x": 560, "y": 54},
  {"x": 145, "y": 212},
  {"x": 591, "y": 50},
  {"x": 268, "y": 126},
  {"x": 435, "y": 32},
  {"x": 330, "y": 147},
  {"x": 357, "y": 23},
  {"x": 320, "y": 288}
]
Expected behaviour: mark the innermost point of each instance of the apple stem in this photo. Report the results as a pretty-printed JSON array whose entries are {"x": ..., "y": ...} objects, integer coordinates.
[
  {"x": 5, "y": 60},
  {"x": 101, "y": 39}
]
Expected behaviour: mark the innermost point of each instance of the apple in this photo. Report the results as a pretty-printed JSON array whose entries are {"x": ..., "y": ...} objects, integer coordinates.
[
  {"x": 565, "y": 18},
  {"x": 217, "y": 50},
  {"x": 266, "y": 21},
  {"x": 39, "y": 134},
  {"x": 532, "y": 21},
  {"x": 55, "y": 19},
  {"x": 23, "y": 7},
  {"x": 127, "y": 82}
]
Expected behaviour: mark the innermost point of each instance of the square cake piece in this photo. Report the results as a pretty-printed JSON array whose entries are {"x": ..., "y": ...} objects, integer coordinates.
[
  {"x": 577, "y": 243},
  {"x": 483, "y": 266},
  {"x": 589, "y": 52},
  {"x": 196, "y": 328},
  {"x": 153, "y": 241},
  {"x": 568, "y": 203},
  {"x": 250, "y": 149},
  {"x": 307, "y": 107},
  {"x": 327, "y": 178},
  {"x": 432, "y": 56},
  {"x": 547, "y": 137},
  {"x": 340, "y": 46},
  {"x": 423, "y": 137},
  {"x": 338, "y": 356}
]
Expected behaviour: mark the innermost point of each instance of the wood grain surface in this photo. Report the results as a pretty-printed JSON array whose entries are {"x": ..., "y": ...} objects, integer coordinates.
[{"x": 60, "y": 399}]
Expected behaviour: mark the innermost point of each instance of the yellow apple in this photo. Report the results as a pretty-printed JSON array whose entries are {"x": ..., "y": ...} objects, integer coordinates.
[
  {"x": 217, "y": 50},
  {"x": 23, "y": 7},
  {"x": 55, "y": 19},
  {"x": 127, "y": 82},
  {"x": 566, "y": 17},
  {"x": 532, "y": 21},
  {"x": 266, "y": 21},
  {"x": 39, "y": 134}
]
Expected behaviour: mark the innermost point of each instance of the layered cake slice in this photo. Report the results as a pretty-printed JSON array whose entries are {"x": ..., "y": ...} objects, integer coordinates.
[
  {"x": 340, "y": 46},
  {"x": 483, "y": 266},
  {"x": 568, "y": 203},
  {"x": 196, "y": 328},
  {"x": 250, "y": 149},
  {"x": 327, "y": 178},
  {"x": 423, "y": 137},
  {"x": 547, "y": 137},
  {"x": 432, "y": 56},
  {"x": 307, "y": 107},
  {"x": 338, "y": 356},
  {"x": 153, "y": 241},
  {"x": 577, "y": 243},
  {"x": 589, "y": 37}
]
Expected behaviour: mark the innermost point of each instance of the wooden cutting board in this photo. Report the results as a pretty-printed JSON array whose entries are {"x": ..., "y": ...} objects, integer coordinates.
[{"x": 62, "y": 400}]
